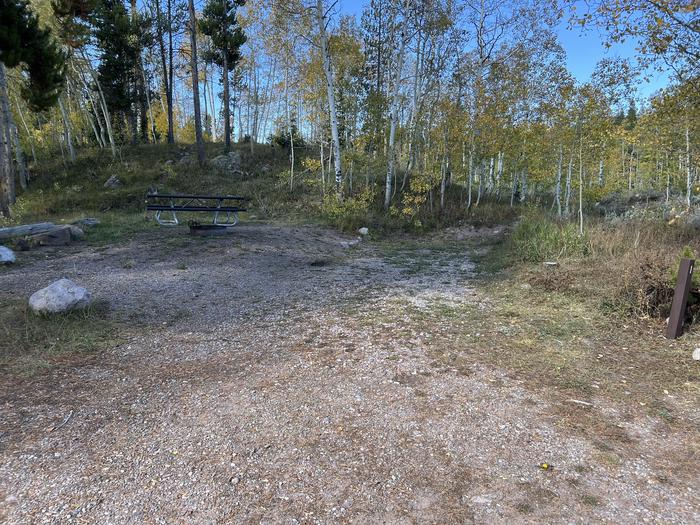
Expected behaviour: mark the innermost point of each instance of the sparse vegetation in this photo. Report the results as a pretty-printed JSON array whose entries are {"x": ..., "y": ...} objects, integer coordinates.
[{"x": 30, "y": 343}]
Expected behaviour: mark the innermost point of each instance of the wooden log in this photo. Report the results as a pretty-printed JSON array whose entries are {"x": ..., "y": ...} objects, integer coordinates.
[{"x": 26, "y": 229}]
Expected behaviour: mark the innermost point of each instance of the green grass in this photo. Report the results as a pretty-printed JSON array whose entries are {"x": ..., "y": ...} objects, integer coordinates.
[
  {"x": 30, "y": 343},
  {"x": 538, "y": 238}
]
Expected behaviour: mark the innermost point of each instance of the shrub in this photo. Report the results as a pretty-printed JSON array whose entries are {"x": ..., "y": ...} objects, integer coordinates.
[
  {"x": 350, "y": 213},
  {"x": 537, "y": 239}
]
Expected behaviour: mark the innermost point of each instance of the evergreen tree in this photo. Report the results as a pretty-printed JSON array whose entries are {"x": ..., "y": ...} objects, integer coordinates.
[
  {"x": 120, "y": 38},
  {"x": 23, "y": 43},
  {"x": 219, "y": 23}
]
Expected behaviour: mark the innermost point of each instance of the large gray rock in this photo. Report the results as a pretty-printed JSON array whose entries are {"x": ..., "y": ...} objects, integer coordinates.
[
  {"x": 7, "y": 256},
  {"x": 61, "y": 296},
  {"x": 227, "y": 163},
  {"x": 113, "y": 182}
]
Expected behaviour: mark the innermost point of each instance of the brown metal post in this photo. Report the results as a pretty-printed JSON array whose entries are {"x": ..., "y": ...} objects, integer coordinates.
[{"x": 680, "y": 298}]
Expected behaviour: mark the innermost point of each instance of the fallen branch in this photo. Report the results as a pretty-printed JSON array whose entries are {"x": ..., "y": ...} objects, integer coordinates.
[
  {"x": 579, "y": 402},
  {"x": 66, "y": 420}
]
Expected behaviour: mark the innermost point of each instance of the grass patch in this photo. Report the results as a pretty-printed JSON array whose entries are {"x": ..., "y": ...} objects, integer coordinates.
[{"x": 30, "y": 343}]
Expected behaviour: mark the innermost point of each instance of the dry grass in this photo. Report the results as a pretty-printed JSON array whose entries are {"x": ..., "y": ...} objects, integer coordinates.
[{"x": 30, "y": 343}]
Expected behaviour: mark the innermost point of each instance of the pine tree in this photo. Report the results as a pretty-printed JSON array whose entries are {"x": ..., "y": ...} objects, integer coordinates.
[
  {"x": 220, "y": 24},
  {"x": 24, "y": 44}
]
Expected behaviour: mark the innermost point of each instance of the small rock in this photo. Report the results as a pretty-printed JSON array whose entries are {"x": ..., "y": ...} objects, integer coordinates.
[
  {"x": 7, "y": 256},
  {"x": 350, "y": 244},
  {"x": 551, "y": 264},
  {"x": 113, "y": 182},
  {"x": 363, "y": 231},
  {"x": 169, "y": 162},
  {"x": 525, "y": 286},
  {"x": 60, "y": 296},
  {"x": 186, "y": 159},
  {"x": 696, "y": 354}
]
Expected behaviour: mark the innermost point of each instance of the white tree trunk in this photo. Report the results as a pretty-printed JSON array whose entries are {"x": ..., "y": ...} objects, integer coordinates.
[
  {"x": 30, "y": 138},
  {"x": 330, "y": 85},
  {"x": 688, "y": 178},
  {"x": 393, "y": 119},
  {"x": 470, "y": 177},
  {"x": 580, "y": 186},
  {"x": 499, "y": 174},
  {"x": 67, "y": 135},
  {"x": 567, "y": 197},
  {"x": 290, "y": 129},
  {"x": 557, "y": 189}
]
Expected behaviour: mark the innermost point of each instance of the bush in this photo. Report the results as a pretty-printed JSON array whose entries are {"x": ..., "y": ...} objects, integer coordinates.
[
  {"x": 350, "y": 213},
  {"x": 645, "y": 288},
  {"x": 538, "y": 239}
]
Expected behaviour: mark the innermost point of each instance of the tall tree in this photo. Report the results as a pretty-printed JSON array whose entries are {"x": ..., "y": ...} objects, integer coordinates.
[
  {"x": 24, "y": 44},
  {"x": 195, "y": 83},
  {"x": 220, "y": 24}
]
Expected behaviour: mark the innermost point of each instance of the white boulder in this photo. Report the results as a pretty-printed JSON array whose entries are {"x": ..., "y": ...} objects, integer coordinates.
[
  {"x": 7, "y": 256},
  {"x": 363, "y": 231},
  {"x": 61, "y": 296},
  {"x": 696, "y": 354}
]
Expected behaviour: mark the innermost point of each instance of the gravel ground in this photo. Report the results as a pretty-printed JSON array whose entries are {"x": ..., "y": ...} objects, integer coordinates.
[{"x": 261, "y": 382}]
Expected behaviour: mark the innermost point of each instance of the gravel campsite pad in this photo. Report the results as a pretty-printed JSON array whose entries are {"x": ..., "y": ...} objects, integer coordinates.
[{"x": 277, "y": 375}]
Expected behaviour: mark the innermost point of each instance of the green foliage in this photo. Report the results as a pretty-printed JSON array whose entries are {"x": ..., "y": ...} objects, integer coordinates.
[
  {"x": 24, "y": 43},
  {"x": 350, "y": 213},
  {"x": 121, "y": 36},
  {"x": 281, "y": 137},
  {"x": 537, "y": 239},
  {"x": 689, "y": 253},
  {"x": 219, "y": 23}
]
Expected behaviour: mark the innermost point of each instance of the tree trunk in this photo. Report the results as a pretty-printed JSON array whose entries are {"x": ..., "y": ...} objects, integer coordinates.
[
  {"x": 7, "y": 177},
  {"x": 226, "y": 103},
  {"x": 499, "y": 174},
  {"x": 19, "y": 158},
  {"x": 580, "y": 186},
  {"x": 67, "y": 135},
  {"x": 146, "y": 89},
  {"x": 29, "y": 133},
  {"x": 290, "y": 129},
  {"x": 470, "y": 177},
  {"x": 195, "y": 84},
  {"x": 103, "y": 106},
  {"x": 557, "y": 189},
  {"x": 330, "y": 84},
  {"x": 689, "y": 179},
  {"x": 567, "y": 197}
]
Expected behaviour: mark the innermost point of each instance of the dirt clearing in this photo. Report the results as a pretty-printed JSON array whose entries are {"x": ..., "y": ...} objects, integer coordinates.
[{"x": 276, "y": 376}]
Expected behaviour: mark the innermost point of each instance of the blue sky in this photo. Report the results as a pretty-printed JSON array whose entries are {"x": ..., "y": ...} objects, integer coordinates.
[{"x": 583, "y": 50}]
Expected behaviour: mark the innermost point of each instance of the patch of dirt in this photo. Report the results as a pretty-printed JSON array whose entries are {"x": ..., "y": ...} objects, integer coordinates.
[{"x": 258, "y": 385}]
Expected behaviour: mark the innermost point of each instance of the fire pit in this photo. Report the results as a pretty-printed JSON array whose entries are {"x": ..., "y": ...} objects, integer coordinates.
[{"x": 207, "y": 230}]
